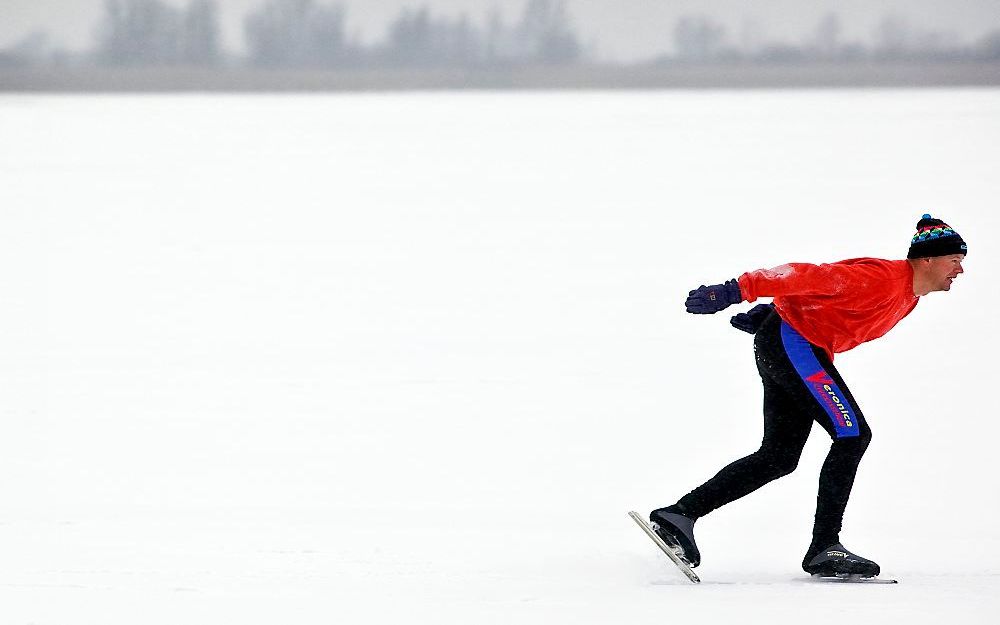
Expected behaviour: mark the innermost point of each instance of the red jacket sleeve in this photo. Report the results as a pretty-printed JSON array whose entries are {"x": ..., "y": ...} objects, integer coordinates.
[{"x": 805, "y": 279}]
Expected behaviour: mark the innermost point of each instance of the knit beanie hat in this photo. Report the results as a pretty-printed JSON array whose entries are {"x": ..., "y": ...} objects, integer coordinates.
[{"x": 935, "y": 238}]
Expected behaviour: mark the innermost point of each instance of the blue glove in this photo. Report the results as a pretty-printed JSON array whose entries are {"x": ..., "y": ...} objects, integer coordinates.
[
  {"x": 751, "y": 320},
  {"x": 707, "y": 300}
]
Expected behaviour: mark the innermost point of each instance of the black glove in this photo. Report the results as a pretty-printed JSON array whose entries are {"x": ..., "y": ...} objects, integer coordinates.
[
  {"x": 751, "y": 320},
  {"x": 707, "y": 300}
]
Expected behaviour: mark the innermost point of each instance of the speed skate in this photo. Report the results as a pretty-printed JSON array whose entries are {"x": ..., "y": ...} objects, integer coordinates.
[{"x": 669, "y": 550}]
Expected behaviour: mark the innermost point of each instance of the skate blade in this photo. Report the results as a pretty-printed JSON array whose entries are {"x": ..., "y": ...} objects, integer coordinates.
[
  {"x": 845, "y": 578},
  {"x": 670, "y": 542}
]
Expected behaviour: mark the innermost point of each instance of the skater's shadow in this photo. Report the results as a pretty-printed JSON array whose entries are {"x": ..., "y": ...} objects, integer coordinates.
[{"x": 687, "y": 583}]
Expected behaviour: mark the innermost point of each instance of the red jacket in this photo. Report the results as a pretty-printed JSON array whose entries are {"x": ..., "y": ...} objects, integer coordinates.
[{"x": 837, "y": 306}]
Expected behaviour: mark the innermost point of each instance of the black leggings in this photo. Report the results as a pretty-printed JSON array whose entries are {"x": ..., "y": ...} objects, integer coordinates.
[{"x": 801, "y": 385}]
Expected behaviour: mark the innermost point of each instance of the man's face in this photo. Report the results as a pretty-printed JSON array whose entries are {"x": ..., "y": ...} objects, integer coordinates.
[{"x": 944, "y": 270}]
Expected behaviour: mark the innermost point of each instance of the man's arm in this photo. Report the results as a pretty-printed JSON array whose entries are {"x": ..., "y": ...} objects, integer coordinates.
[
  {"x": 789, "y": 279},
  {"x": 802, "y": 279}
]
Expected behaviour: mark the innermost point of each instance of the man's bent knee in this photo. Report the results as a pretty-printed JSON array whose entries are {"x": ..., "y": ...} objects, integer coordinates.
[
  {"x": 779, "y": 464},
  {"x": 853, "y": 445}
]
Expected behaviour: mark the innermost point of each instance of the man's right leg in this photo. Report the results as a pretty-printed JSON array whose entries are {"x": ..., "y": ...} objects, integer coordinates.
[
  {"x": 786, "y": 429},
  {"x": 785, "y": 434}
]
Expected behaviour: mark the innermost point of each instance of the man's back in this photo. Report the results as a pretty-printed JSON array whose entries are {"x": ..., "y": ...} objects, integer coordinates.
[{"x": 837, "y": 306}]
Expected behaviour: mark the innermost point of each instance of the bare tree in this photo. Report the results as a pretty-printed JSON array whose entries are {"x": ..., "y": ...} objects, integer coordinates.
[
  {"x": 418, "y": 38},
  {"x": 137, "y": 32},
  {"x": 826, "y": 37},
  {"x": 31, "y": 50},
  {"x": 698, "y": 38},
  {"x": 545, "y": 34},
  {"x": 988, "y": 47},
  {"x": 892, "y": 37},
  {"x": 297, "y": 33},
  {"x": 199, "y": 44}
]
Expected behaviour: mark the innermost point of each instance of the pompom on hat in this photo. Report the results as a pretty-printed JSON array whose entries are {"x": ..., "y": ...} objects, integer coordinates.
[{"x": 935, "y": 238}]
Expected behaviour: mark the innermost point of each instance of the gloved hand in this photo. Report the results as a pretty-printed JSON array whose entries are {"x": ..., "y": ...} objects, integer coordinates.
[
  {"x": 707, "y": 300},
  {"x": 751, "y": 320}
]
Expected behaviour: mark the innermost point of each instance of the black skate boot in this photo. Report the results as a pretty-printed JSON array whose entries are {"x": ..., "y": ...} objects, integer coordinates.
[
  {"x": 676, "y": 530},
  {"x": 837, "y": 561}
]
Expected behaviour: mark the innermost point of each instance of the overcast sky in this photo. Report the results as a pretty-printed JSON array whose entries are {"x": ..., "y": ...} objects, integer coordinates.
[{"x": 623, "y": 29}]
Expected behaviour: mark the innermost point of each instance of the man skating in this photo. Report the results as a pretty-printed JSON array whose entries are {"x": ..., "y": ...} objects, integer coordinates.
[{"x": 817, "y": 311}]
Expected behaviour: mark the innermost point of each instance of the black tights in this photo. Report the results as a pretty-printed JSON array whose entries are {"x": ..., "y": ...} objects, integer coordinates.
[{"x": 789, "y": 411}]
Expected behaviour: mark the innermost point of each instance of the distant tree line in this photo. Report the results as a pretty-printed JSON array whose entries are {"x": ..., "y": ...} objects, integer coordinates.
[
  {"x": 309, "y": 33},
  {"x": 298, "y": 33},
  {"x": 700, "y": 39}
]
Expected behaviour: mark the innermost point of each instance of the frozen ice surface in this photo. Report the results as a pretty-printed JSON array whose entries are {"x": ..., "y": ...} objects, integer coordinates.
[{"x": 314, "y": 359}]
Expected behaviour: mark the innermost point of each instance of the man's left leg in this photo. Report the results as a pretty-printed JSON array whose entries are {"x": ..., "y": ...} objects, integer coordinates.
[
  {"x": 842, "y": 419},
  {"x": 832, "y": 406},
  {"x": 835, "y": 483}
]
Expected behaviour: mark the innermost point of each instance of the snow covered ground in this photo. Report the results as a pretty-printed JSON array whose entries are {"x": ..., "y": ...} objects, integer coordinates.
[{"x": 382, "y": 358}]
